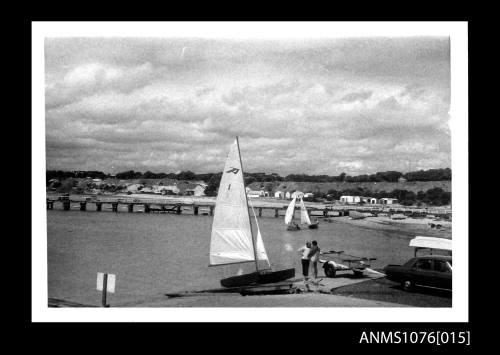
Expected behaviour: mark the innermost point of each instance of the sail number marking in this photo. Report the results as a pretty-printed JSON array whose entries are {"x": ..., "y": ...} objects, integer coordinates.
[{"x": 233, "y": 170}]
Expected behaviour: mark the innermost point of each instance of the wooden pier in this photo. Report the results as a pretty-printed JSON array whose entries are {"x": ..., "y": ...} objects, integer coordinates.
[{"x": 117, "y": 204}]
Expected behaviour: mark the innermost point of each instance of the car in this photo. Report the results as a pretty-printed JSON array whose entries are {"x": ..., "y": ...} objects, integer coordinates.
[{"x": 434, "y": 271}]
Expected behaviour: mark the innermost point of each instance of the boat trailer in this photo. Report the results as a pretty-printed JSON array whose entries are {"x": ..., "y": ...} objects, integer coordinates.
[{"x": 357, "y": 264}]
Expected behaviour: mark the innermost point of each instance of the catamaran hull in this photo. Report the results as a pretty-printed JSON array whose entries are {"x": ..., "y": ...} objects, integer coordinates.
[
  {"x": 257, "y": 278},
  {"x": 313, "y": 226}
]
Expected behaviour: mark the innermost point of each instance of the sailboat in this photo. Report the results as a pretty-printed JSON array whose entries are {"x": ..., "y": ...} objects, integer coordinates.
[
  {"x": 232, "y": 238},
  {"x": 292, "y": 226},
  {"x": 304, "y": 217}
]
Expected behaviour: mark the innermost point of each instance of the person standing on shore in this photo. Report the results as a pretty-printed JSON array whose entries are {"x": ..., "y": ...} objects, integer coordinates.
[
  {"x": 305, "y": 259},
  {"x": 314, "y": 256}
]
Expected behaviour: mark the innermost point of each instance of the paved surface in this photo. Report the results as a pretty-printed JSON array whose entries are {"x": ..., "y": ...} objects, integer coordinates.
[
  {"x": 345, "y": 290},
  {"x": 295, "y": 300},
  {"x": 343, "y": 278},
  {"x": 310, "y": 294},
  {"x": 387, "y": 291}
]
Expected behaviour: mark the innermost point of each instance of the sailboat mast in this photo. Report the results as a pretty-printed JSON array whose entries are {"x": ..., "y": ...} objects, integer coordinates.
[{"x": 248, "y": 214}]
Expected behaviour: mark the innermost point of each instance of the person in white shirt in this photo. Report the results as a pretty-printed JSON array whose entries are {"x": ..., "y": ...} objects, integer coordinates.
[{"x": 305, "y": 259}]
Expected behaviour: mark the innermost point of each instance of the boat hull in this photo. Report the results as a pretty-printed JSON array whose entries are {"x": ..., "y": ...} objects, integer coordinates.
[
  {"x": 257, "y": 278},
  {"x": 313, "y": 226},
  {"x": 292, "y": 228}
]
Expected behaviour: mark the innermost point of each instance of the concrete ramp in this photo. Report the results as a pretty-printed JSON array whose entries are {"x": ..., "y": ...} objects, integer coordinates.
[{"x": 343, "y": 278}]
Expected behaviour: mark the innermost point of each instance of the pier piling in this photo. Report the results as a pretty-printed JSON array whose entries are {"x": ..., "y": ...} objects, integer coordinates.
[
  {"x": 83, "y": 206},
  {"x": 66, "y": 205},
  {"x": 195, "y": 210},
  {"x": 260, "y": 211},
  {"x": 50, "y": 205},
  {"x": 276, "y": 212},
  {"x": 211, "y": 210},
  {"x": 146, "y": 208},
  {"x": 98, "y": 206},
  {"x": 114, "y": 206},
  {"x": 131, "y": 207}
]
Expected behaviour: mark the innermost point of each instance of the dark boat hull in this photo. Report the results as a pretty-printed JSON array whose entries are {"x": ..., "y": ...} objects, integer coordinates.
[
  {"x": 257, "y": 278},
  {"x": 293, "y": 228},
  {"x": 313, "y": 226}
]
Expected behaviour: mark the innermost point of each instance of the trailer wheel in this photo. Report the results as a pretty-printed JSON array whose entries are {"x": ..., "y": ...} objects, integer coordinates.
[
  {"x": 407, "y": 285},
  {"x": 329, "y": 270}
]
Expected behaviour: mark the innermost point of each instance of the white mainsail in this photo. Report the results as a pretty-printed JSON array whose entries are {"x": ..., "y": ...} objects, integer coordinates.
[
  {"x": 304, "y": 217},
  {"x": 231, "y": 238},
  {"x": 290, "y": 211}
]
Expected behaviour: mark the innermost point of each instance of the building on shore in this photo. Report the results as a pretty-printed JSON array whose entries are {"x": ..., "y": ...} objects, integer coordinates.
[
  {"x": 279, "y": 194},
  {"x": 256, "y": 193},
  {"x": 196, "y": 190},
  {"x": 388, "y": 201},
  {"x": 166, "y": 189},
  {"x": 350, "y": 199},
  {"x": 365, "y": 199},
  {"x": 134, "y": 187}
]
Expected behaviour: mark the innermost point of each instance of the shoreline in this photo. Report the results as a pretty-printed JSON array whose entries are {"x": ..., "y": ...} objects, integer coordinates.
[{"x": 410, "y": 226}]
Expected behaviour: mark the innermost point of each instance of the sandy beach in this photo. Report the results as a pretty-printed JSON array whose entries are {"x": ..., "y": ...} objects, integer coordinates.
[{"x": 410, "y": 226}]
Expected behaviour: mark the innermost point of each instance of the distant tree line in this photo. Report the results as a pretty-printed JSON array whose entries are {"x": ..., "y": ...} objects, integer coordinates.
[
  {"x": 435, "y": 196},
  {"x": 385, "y": 176}
]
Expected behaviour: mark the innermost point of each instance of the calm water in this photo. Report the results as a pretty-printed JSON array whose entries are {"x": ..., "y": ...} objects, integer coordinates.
[{"x": 156, "y": 253}]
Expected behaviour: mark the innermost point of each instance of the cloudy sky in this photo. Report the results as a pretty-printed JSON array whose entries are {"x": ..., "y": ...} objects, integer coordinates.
[{"x": 320, "y": 106}]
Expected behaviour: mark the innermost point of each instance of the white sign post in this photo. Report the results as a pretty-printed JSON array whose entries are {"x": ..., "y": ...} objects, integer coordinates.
[{"x": 105, "y": 283}]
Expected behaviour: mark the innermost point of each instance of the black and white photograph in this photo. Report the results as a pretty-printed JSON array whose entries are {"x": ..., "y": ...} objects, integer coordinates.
[{"x": 250, "y": 171}]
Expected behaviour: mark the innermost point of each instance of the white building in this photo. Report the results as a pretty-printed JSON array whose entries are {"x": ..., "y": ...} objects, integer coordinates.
[
  {"x": 373, "y": 201},
  {"x": 350, "y": 199},
  {"x": 279, "y": 194},
  {"x": 134, "y": 187},
  {"x": 255, "y": 193},
  {"x": 308, "y": 194},
  {"x": 166, "y": 189},
  {"x": 198, "y": 190},
  {"x": 365, "y": 199},
  {"x": 388, "y": 201}
]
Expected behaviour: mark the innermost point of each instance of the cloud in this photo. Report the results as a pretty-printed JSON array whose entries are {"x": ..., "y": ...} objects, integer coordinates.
[
  {"x": 91, "y": 78},
  {"x": 321, "y": 107},
  {"x": 357, "y": 96}
]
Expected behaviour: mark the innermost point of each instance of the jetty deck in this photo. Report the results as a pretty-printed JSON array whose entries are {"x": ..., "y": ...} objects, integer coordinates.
[{"x": 206, "y": 206}]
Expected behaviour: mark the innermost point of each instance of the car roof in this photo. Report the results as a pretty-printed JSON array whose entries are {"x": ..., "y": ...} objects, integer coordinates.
[{"x": 442, "y": 257}]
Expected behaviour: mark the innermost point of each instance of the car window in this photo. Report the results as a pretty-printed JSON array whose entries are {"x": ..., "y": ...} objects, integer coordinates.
[
  {"x": 424, "y": 264},
  {"x": 441, "y": 266}
]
